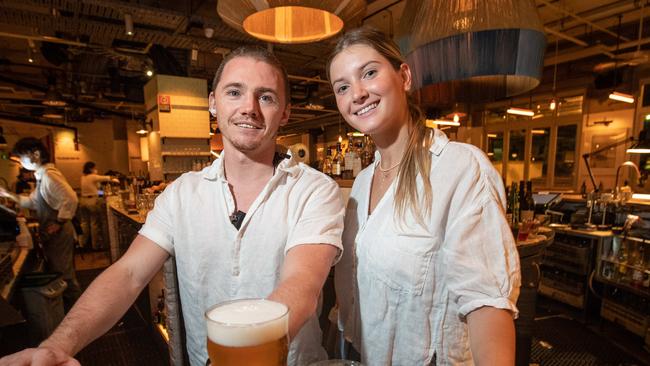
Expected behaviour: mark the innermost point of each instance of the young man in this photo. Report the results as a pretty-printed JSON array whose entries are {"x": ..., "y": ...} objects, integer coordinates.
[
  {"x": 254, "y": 224},
  {"x": 55, "y": 203}
]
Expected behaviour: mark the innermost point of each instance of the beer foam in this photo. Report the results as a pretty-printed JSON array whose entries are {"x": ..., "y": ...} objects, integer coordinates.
[{"x": 247, "y": 323}]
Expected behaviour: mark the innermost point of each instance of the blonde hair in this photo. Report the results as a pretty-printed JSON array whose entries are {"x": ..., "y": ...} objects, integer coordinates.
[{"x": 417, "y": 159}]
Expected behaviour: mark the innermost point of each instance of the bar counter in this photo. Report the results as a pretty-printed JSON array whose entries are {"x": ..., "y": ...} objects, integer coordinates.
[{"x": 159, "y": 303}]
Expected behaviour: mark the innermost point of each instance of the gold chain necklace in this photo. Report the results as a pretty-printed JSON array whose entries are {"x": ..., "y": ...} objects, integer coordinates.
[{"x": 386, "y": 172}]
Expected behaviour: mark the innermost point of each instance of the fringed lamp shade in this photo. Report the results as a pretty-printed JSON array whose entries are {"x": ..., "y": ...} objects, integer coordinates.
[
  {"x": 472, "y": 50},
  {"x": 291, "y": 21}
]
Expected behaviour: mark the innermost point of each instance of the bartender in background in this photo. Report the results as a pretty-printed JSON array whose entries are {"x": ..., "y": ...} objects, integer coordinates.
[
  {"x": 55, "y": 203},
  {"x": 92, "y": 207}
]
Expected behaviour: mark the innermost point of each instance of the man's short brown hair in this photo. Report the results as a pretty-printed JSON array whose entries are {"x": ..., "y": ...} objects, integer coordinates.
[{"x": 260, "y": 54}]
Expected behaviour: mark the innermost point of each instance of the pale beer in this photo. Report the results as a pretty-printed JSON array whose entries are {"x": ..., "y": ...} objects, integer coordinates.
[{"x": 250, "y": 332}]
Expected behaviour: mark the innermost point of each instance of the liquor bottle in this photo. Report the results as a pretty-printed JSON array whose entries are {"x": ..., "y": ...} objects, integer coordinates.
[
  {"x": 337, "y": 162},
  {"x": 508, "y": 207},
  {"x": 327, "y": 163},
  {"x": 528, "y": 204},
  {"x": 521, "y": 198},
  {"x": 514, "y": 193}
]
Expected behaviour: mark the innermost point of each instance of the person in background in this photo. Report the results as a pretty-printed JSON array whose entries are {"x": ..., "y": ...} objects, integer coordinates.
[
  {"x": 92, "y": 207},
  {"x": 254, "y": 224},
  {"x": 430, "y": 271},
  {"x": 55, "y": 203},
  {"x": 24, "y": 182}
]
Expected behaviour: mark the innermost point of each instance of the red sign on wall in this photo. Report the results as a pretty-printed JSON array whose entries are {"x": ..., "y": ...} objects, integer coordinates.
[{"x": 164, "y": 103}]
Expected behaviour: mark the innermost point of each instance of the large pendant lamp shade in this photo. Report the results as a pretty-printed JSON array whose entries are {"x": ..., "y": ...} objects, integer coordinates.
[
  {"x": 291, "y": 21},
  {"x": 472, "y": 50}
]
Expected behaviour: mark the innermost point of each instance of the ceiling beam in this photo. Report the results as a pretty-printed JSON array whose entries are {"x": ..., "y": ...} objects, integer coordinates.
[{"x": 565, "y": 11}]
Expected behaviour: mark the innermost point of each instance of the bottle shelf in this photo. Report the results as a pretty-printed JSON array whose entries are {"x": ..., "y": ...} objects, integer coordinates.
[
  {"x": 641, "y": 291},
  {"x": 638, "y": 268}
]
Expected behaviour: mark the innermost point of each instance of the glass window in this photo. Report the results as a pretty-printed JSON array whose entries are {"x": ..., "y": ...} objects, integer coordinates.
[
  {"x": 565, "y": 155},
  {"x": 569, "y": 106},
  {"x": 516, "y": 156},
  {"x": 541, "y": 141},
  {"x": 495, "y": 150}
]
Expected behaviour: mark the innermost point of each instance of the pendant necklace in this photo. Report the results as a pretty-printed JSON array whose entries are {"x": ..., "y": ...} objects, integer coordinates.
[{"x": 386, "y": 172}]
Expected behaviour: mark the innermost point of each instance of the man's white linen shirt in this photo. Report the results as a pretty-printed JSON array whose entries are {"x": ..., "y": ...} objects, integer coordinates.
[
  {"x": 403, "y": 289},
  {"x": 216, "y": 262},
  {"x": 55, "y": 190}
]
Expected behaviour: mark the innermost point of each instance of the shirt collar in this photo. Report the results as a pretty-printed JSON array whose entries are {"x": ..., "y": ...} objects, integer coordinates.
[
  {"x": 288, "y": 164},
  {"x": 440, "y": 140},
  {"x": 38, "y": 173}
]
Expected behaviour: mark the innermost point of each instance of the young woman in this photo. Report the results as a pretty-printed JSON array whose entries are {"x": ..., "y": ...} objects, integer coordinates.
[
  {"x": 92, "y": 207},
  {"x": 430, "y": 272}
]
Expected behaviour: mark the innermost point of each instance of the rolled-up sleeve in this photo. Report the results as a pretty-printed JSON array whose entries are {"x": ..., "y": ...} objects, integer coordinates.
[
  {"x": 320, "y": 218},
  {"x": 159, "y": 224},
  {"x": 26, "y": 201},
  {"x": 481, "y": 258}
]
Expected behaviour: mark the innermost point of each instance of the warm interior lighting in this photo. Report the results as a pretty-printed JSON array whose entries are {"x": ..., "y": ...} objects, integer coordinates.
[
  {"x": 553, "y": 104},
  {"x": 647, "y": 117},
  {"x": 144, "y": 148},
  {"x": 340, "y": 138},
  {"x": 641, "y": 196},
  {"x": 53, "y": 98},
  {"x": 292, "y": 24},
  {"x": 492, "y": 135},
  {"x": 149, "y": 73},
  {"x": 622, "y": 97},
  {"x": 141, "y": 131},
  {"x": 538, "y": 115},
  {"x": 128, "y": 24},
  {"x": 636, "y": 150},
  {"x": 356, "y": 134},
  {"x": 52, "y": 114},
  {"x": 433, "y": 123},
  {"x": 538, "y": 132},
  {"x": 456, "y": 118},
  {"x": 521, "y": 111}
]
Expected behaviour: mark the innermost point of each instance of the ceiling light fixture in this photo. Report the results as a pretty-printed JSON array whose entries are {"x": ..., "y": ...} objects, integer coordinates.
[
  {"x": 433, "y": 123},
  {"x": 290, "y": 21},
  {"x": 622, "y": 97},
  {"x": 128, "y": 24},
  {"x": 642, "y": 144},
  {"x": 465, "y": 32},
  {"x": 143, "y": 127},
  {"x": 52, "y": 113},
  {"x": 520, "y": 111},
  {"x": 149, "y": 72},
  {"x": 53, "y": 98}
]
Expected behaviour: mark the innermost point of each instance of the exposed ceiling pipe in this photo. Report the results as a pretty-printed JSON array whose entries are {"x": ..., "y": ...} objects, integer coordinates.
[
  {"x": 565, "y": 36},
  {"x": 70, "y": 101},
  {"x": 43, "y": 39},
  {"x": 36, "y": 121},
  {"x": 581, "y": 19},
  {"x": 593, "y": 51}
]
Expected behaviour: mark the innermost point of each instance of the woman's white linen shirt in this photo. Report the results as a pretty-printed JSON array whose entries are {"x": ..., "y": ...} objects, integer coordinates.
[{"x": 404, "y": 290}]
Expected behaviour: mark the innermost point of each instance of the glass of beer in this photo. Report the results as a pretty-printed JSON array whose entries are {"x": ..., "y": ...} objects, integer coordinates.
[{"x": 248, "y": 332}]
